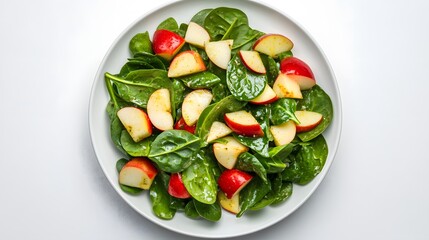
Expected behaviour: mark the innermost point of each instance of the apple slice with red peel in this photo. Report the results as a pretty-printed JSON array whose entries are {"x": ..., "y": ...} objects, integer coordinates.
[
  {"x": 136, "y": 122},
  {"x": 196, "y": 35},
  {"x": 181, "y": 125},
  {"x": 194, "y": 104},
  {"x": 286, "y": 87},
  {"x": 283, "y": 133},
  {"x": 219, "y": 52},
  {"x": 307, "y": 120},
  {"x": 231, "y": 181},
  {"x": 252, "y": 60},
  {"x": 185, "y": 63},
  {"x": 176, "y": 188},
  {"x": 267, "y": 96},
  {"x": 232, "y": 205},
  {"x": 159, "y": 109},
  {"x": 218, "y": 130},
  {"x": 138, "y": 172},
  {"x": 273, "y": 44},
  {"x": 299, "y": 71},
  {"x": 243, "y": 123},
  {"x": 227, "y": 151},
  {"x": 166, "y": 43}
]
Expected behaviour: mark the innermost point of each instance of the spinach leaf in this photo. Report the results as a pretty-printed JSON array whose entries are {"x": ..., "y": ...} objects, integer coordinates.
[
  {"x": 138, "y": 85},
  {"x": 215, "y": 112},
  {"x": 281, "y": 153},
  {"x": 168, "y": 24},
  {"x": 182, "y": 30},
  {"x": 284, "y": 55},
  {"x": 140, "y": 43},
  {"x": 307, "y": 162},
  {"x": 154, "y": 60},
  {"x": 177, "y": 93},
  {"x": 200, "y": 16},
  {"x": 272, "y": 165},
  {"x": 172, "y": 150},
  {"x": 160, "y": 198},
  {"x": 262, "y": 115},
  {"x": 249, "y": 163},
  {"x": 130, "y": 190},
  {"x": 243, "y": 84},
  {"x": 220, "y": 91},
  {"x": 252, "y": 193},
  {"x": 218, "y": 21},
  {"x": 283, "y": 193},
  {"x": 139, "y": 149},
  {"x": 190, "y": 210},
  {"x": 133, "y": 65},
  {"x": 199, "y": 180},
  {"x": 283, "y": 110},
  {"x": 271, "y": 67},
  {"x": 316, "y": 100},
  {"x": 199, "y": 80},
  {"x": 257, "y": 144},
  {"x": 211, "y": 212}
]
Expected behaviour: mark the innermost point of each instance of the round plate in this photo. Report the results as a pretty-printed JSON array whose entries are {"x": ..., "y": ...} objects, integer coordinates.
[{"x": 261, "y": 17}]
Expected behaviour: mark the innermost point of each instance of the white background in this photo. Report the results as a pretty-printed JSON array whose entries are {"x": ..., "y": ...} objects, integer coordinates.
[{"x": 52, "y": 187}]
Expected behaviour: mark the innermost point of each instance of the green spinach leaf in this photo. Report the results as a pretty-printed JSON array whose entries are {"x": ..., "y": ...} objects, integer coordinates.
[
  {"x": 190, "y": 210},
  {"x": 169, "y": 24},
  {"x": 249, "y": 163},
  {"x": 160, "y": 198},
  {"x": 271, "y": 67},
  {"x": 257, "y": 144},
  {"x": 199, "y": 80},
  {"x": 283, "y": 110},
  {"x": 211, "y": 212},
  {"x": 200, "y": 17},
  {"x": 139, "y": 149},
  {"x": 140, "y": 43},
  {"x": 252, "y": 193}
]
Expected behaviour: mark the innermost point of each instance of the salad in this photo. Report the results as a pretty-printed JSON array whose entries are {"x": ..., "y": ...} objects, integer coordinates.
[{"x": 213, "y": 114}]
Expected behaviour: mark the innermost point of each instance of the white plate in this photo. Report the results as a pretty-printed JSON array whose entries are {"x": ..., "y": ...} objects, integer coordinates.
[{"x": 260, "y": 17}]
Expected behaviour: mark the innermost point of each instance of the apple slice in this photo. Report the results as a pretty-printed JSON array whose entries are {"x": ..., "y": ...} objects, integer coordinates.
[
  {"x": 176, "y": 188},
  {"x": 286, "y": 87},
  {"x": 194, "y": 104},
  {"x": 283, "y": 133},
  {"x": 273, "y": 44},
  {"x": 252, "y": 60},
  {"x": 136, "y": 121},
  {"x": 231, "y": 181},
  {"x": 299, "y": 71},
  {"x": 218, "y": 130},
  {"x": 243, "y": 123},
  {"x": 138, "y": 172},
  {"x": 159, "y": 109},
  {"x": 166, "y": 43},
  {"x": 219, "y": 52},
  {"x": 181, "y": 125},
  {"x": 267, "y": 96},
  {"x": 232, "y": 205},
  {"x": 196, "y": 35},
  {"x": 186, "y": 63},
  {"x": 307, "y": 120},
  {"x": 227, "y": 151}
]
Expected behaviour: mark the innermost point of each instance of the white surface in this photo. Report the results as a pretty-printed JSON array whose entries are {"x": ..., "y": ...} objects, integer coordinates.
[{"x": 52, "y": 186}]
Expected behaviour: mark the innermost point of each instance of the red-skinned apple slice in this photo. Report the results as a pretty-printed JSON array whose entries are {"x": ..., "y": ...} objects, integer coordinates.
[
  {"x": 299, "y": 71},
  {"x": 219, "y": 52},
  {"x": 252, "y": 61},
  {"x": 283, "y": 133},
  {"x": 181, "y": 125},
  {"x": 218, "y": 130},
  {"x": 267, "y": 96},
  {"x": 159, "y": 109},
  {"x": 196, "y": 35},
  {"x": 307, "y": 120},
  {"x": 232, "y": 205},
  {"x": 136, "y": 122},
  {"x": 186, "y": 63},
  {"x": 286, "y": 87},
  {"x": 227, "y": 151},
  {"x": 231, "y": 181},
  {"x": 138, "y": 172},
  {"x": 176, "y": 188},
  {"x": 166, "y": 43},
  {"x": 273, "y": 44},
  {"x": 243, "y": 123},
  {"x": 194, "y": 104}
]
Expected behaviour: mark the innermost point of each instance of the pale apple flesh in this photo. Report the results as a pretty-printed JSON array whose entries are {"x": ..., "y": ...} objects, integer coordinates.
[
  {"x": 218, "y": 130},
  {"x": 159, "y": 109},
  {"x": 232, "y": 205},
  {"x": 286, "y": 87},
  {"x": 267, "y": 96},
  {"x": 243, "y": 123},
  {"x": 252, "y": 60},
  {"x": 227, "y": 151},
  {"x": 136, "y": 122},
  {"x": 283, "y": 133},
  {"x": 307, "y": 120},
  {"x": 186, "y": 63},
  {"x": 196, "y": 35},
  {"x": 166, "y": 43},
  {"x": 219, "y": 52},
  {"x": 194, "y": 104},
  {"x": 273, "y": 44},
  {"x": 231, "y": 181},
  {"x": 299, "y": 71},
  {"x": 138, "y": 172}
]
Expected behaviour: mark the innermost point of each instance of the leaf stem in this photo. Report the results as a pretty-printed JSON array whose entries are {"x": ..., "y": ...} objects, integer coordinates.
[{"x": 110, "y": 89}]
